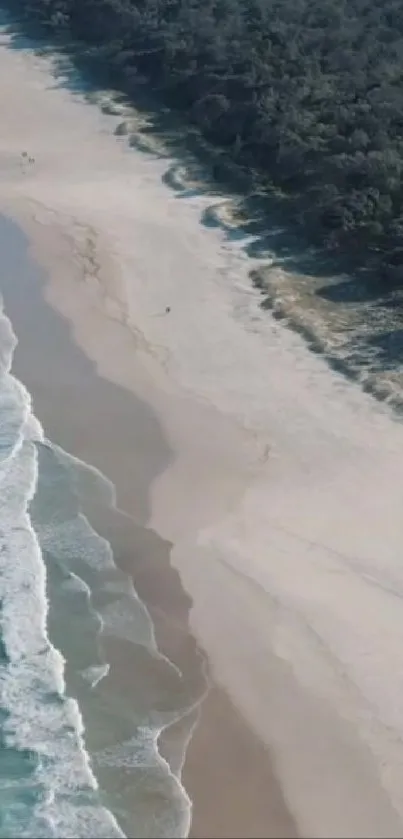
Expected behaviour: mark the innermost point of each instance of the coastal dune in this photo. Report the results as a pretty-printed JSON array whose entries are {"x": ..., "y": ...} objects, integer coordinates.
[{"x": 283, "y": 494}]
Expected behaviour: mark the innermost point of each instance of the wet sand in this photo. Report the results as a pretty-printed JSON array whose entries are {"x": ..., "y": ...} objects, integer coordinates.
[
  {"x": 228, "y": 773},
  {"x": 274, "y": 484}
]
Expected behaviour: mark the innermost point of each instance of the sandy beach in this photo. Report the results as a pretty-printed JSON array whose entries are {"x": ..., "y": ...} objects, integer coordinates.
[
  {"x": 70, "y": 398},
  {"x": 266, "y": 490}
]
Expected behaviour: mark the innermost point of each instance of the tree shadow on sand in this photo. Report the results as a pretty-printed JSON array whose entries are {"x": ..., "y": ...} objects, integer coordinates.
[
  {"x": 235, "y": 201},
  {"x": 196, "y": 166}
]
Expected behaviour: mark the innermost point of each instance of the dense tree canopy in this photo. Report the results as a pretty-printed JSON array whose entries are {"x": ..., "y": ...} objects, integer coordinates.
[{"x": 309, "y": 93}]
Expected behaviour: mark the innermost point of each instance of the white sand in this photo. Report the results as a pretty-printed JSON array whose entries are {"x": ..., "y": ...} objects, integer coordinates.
[{"x": 294, "y": 561}]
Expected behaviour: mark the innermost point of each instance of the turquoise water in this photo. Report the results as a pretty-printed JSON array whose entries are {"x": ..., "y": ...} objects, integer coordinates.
[{"x": 84, "y": 691}]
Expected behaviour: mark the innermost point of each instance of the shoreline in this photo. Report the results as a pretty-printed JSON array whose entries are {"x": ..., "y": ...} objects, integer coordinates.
[
  {"x": 45, "y": 357},
  {"x": 281, "y": 492}
]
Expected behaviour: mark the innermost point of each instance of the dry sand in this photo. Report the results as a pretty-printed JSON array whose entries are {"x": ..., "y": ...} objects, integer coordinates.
[{"x": 293, "y": 561}]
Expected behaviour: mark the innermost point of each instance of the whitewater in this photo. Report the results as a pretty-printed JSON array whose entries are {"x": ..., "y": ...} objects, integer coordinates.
[
  {"x": 284, "y": 497},
  {"x": 48, "y": 787}
]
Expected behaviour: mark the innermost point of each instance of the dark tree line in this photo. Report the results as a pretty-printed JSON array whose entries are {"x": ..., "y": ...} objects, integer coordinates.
[{"x": 308, "y": 93}]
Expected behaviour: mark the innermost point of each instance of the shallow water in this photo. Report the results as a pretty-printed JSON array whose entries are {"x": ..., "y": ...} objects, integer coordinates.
[
  {"x": 84, "y": 691},
  {"x": 318, "y": 534}
]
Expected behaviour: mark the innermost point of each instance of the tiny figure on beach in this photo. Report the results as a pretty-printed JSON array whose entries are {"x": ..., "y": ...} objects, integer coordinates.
[
  {"x": 26, "y": 158},
  {"x": 161, "y": 313}
]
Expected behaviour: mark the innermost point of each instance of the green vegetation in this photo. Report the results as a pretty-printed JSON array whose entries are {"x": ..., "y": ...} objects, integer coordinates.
[{"x": 308, "y": 93}]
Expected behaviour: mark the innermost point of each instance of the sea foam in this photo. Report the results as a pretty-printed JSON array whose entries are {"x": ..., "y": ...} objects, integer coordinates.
[
  {"x": 47, "y": 787},
  {"x": 61, "y": 597}
]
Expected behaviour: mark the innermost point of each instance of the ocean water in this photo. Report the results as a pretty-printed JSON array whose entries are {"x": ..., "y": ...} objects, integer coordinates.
[{"x": 78, "y": 752}]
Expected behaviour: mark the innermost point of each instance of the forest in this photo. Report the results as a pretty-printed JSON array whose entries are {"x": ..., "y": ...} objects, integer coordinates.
[{"x": 307, "y": 94}]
